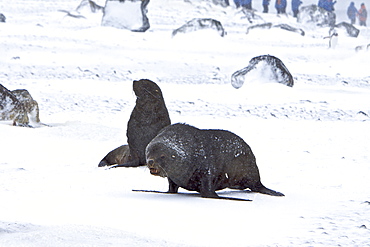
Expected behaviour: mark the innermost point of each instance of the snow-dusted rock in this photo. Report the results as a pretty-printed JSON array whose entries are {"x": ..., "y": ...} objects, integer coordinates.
[
  {"x": 11, "y": 108},
  {"x": 31, "y": 106},
  {"x": 351, "y": 30},
  {"x": 200, "y": 24},
  {"x": 283, "y": 26},
  {"x": 279, "y": 71},
  {"x": 312, "y": 14},
  {"x": 266, "y": 25},
  {"x": 126, "y": 14}
]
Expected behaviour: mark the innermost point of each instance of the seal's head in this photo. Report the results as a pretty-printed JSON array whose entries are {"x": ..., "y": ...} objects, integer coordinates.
[
  {"x": 147, "y": 89},
  {"x": 158, "y": 158}
]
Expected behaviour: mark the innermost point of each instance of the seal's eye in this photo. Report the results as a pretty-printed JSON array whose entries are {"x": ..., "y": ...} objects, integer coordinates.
[{"x": 163, "y": 156}]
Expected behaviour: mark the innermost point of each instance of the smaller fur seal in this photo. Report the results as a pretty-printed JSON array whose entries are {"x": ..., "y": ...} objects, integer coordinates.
[
  {"x": 204, "y": 161},
  {"x": 148, "y": 117}
]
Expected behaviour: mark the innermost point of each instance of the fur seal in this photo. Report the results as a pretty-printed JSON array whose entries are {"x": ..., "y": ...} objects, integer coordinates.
[
  {"x": 204, "y": 161},
  {"x": 148, "y": 117}
]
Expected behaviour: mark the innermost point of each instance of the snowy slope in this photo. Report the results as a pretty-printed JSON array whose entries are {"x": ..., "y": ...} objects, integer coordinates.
[{"x": 311, "y": 141}]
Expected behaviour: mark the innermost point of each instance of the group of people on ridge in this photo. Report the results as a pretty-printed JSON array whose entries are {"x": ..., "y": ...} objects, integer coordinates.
[
  {"x": 328, "y": 5},
  {"x": 352, "y": 13},
  {"x": 280, "y": 5}
]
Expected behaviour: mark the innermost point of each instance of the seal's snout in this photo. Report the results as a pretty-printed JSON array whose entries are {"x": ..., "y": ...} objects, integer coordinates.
[
  {"x": 150, "y": 163},
  {"x": 153, "y": 168}
]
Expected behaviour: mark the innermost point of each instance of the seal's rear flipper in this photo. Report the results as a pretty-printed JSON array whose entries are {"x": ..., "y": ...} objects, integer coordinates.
[
  {"x": 231, "y": 199},
  {"x": 267, "y": 191}
]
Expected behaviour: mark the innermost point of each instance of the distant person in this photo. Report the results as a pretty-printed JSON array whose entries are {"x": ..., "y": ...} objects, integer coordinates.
[
  {"x": 362, "y": 15},
  {"x": 243, "y": 3},
  {"x": 352, "y": 13},
  {"x": 265, "y": 5},
  {"x": 328, "y": 5},
  {"x": 237, "y": 3},
  {"x": 295, "y": 7},
  {"x": 280, "y": 6},
  {"x": 321, "y": 3}
]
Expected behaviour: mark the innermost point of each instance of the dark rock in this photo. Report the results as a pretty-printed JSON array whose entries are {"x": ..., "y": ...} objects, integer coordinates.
[
  {"x": 200, "y": 24},
  {"x": 126, "y": 14},
  {"x": 280, "y": 72},
  {"x": 351, "y": 30}
]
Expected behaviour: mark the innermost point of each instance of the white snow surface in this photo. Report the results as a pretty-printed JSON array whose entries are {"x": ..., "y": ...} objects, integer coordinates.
[{"x": 311, "y": 141}]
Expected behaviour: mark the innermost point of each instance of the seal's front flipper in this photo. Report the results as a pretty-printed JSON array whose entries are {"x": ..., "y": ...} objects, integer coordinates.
[
  {"x": 172, "y": 187},
  {"x": 134, "y": 163}
]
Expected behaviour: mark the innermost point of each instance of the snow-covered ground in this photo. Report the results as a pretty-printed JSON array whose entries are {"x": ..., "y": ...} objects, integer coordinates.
[{"x": 311, "y": 141}]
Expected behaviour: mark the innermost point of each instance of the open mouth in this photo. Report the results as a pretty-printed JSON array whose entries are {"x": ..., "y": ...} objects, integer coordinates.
[{"x": 154, "y": 171}]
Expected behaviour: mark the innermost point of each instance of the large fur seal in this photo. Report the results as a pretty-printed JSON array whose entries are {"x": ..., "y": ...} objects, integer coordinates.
[
  {"x": 204, "y": 161},
  {"x": 148, "y": 117}
]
